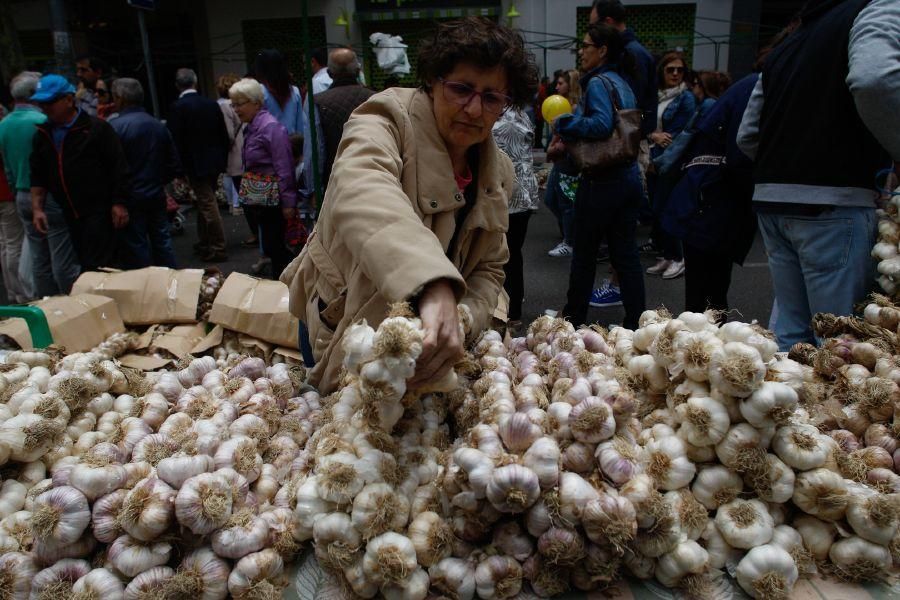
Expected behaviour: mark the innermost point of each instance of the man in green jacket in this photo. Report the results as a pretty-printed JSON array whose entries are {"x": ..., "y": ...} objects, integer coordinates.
[{"x": 50, "y": 258}]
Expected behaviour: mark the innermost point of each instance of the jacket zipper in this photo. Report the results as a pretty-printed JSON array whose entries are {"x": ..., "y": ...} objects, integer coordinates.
[{"x": 59, "y": 163}]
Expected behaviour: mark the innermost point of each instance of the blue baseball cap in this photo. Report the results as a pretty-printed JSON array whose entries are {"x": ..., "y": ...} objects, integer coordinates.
[{"x": 51, "y": 87}]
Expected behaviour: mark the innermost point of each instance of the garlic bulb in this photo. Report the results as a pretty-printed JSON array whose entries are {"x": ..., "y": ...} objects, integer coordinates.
[
  {"x": 789, "y": 539},
  {"x": 721, "y": 554},
  {"x": 175, "y": 470},
  {"x": 28, "y": 436},
  {"x": 619, "y": 459},
  {"x": 454, "y": 577},
  {"x": 478, "y": 468},
  {"x": 201, "y": 575},
  {"x": 666, "y": 463},
  {"x": 543, "y": 458},
  {"x": 591, "y": 421},
  {"x": 874, "y": 518},
  {"x": 772, "y": 403},
  {"x": 240, "y": 454},
  {"x": 378, "y": 509},
  {"x": 716, "y": 485},
  {"x": 688, "y": 558},
  {"x": 244, "y": 533},
  {"x": 767, "y": 572},
  {"x": 60, "y": 515},
  {"x": 99, "y": 584},
  {"x": 704, "y": 421},
  {"x": 518, "y": 432},
  {"x": 818, "y": 535},
  {"x": 510, "y": 539},
  {"x": 146, "y": 511},
  {"x": 12, "y": 497},
  {"x": 131, "y": 556},
  {"x": 389, "y": 558},
  {"x": 745, "y": 523},
  {"x": 561, "y": 546},
  {"x": 858, "y": 560},
  {"x": 431, "y": 537},
  {"x": 258, "y": 573},
  {"x": 149, "y": 584},
  {"x": 337, "y": 541},
  {"x": 513, "y": 488},
  {"x": 204, "y": 503},
  {"x": 498, "y": 577},
  {"x": 105, "y": 522},
  {"x": 800, "y": 446},
  {"x": 57, "y": 580},
  {"x": 737, "y": 369},
  {"x": 610, "y": 519},
  {"x": 821, "y": 493}
]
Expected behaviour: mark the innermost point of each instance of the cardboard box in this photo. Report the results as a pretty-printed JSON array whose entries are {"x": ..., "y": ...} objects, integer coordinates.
[
  {"x": 147, "y": 296},
  {"x": 256, "y": 307},
  {"x": 78, "y": 322}
]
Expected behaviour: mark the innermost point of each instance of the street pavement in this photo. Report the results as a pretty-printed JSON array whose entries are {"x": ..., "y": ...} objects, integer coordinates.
[{"x": 546, "y": 278}]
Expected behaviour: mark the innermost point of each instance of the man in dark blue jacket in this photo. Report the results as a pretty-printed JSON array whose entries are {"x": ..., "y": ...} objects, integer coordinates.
[
  {"x": 153, "y": 161},
  {"x": 644, "y": 86},
  {"x": 198, "y": 128}
]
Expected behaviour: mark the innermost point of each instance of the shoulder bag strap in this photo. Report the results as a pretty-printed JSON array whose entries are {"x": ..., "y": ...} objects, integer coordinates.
[{"x": 612, "y": 91}]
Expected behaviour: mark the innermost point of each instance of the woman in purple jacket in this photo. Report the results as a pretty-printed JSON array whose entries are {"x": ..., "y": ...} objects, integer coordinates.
[{"x": 267, "y": 189}]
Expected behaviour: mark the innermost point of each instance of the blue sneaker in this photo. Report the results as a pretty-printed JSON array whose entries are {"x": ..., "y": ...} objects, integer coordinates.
[{"x": 606, "y": 296}]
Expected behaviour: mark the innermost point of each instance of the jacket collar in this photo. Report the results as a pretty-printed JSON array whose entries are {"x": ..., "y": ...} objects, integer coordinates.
[
  {"x": 132, "y": 109},
  {"x": 344, "y": 81},
  {"x": 586, "y": 78},
  {"x": 260, "y": 120},
  {"x": 81, "y": 120},
  {"x": 434, "y": 170}
]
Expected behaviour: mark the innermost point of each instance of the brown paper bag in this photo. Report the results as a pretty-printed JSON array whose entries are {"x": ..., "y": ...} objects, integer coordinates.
[
  {"x": 77, "y": 323},
  {"x": 181, "y": 340},
  {"x": 143, "y": 363},
  {"x": 147, "y": 296},
  {"x": 256, "y": 307}
]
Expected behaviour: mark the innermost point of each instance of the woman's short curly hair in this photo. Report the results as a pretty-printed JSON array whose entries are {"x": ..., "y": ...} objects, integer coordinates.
[{"x": 485, "y": 44}]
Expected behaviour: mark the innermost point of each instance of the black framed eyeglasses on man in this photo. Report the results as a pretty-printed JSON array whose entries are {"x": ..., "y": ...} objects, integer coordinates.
[{"x": 461, "y": 94}]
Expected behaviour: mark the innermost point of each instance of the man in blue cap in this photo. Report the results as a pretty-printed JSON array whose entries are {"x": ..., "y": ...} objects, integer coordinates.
[{"x": 78, "y": 159}]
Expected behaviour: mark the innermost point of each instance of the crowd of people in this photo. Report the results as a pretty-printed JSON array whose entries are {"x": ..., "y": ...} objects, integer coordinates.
[
  {"x": 427, "y": 192},
  {"x": 88, "y": 175}
]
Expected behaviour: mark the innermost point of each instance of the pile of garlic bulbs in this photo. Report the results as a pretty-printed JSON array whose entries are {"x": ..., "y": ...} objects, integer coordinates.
[
  {"x": 173, "y": 484},
  {"x": 210, "y": 285},
  {"x": 887, "y": 248}
]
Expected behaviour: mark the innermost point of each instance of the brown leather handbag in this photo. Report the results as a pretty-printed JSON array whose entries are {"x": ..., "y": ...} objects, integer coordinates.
[{"x": 593, "y": 157}]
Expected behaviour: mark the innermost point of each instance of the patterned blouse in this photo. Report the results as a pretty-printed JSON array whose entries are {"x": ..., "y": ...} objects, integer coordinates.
[{"x": 514, "y": 134}]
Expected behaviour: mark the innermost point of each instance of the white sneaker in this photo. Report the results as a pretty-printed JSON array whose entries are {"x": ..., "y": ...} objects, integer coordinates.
[
  {"x": 676, "y": 269},
  {"x": 562, "y": 249},
  {"x": 660, "y": 267}
]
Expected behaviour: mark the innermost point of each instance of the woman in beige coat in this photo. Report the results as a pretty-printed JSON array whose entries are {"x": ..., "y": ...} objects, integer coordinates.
[{"x": 416, "y": 208}]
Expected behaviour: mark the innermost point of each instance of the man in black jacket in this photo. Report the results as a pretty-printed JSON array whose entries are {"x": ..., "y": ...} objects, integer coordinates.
[
  {"x": 78, "y": 159},
  {"x": 198, "y": 128},
  {"x": 153, "y": 161}
]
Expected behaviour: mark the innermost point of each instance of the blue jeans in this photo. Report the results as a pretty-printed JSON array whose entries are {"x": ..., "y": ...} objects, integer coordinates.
[
  {"x": 607, "y": 208},
  {"x": 819, "y": 264},
  {"x": 559, "y": 205},
  {"x": 55, "y": 262},
  {"x": 146, "y": 241}
]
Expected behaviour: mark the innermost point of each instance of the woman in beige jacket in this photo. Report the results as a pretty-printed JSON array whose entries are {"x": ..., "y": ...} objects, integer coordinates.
[{"x": 416, "y": 208}]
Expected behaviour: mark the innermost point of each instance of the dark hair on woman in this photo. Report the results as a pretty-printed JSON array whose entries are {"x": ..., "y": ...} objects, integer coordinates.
[
  {"x": 668, "y": 57},
  {"x": 602, "y": 34},
  {"x": 713, "y": 83},
  {"x": 271, "y": 70},
  {"x": 483, "y": 44}
]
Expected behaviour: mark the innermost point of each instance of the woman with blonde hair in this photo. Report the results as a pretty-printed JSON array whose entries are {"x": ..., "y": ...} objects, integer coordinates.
[{"x": 563, "y": 179}]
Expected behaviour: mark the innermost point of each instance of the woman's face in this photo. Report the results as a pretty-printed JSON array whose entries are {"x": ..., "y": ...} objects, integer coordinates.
[
  {"x": 562, "y": 87},
  {"x": 102, "y": 93},
  {"x": 673, "y": 73},
  {"x": 698, "y": 90},
  {"x": 467, "y": 102},
  {"x": 592, "y": 56},
  {"x": 245, "y": 109}
]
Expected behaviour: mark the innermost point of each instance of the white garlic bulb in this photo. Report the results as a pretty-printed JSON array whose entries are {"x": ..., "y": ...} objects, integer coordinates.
[
  {"x": 389, "y": 558},
  {"x": 147, "y": 509},
  {"x": 175, "y": 470},
  {"x": 771, "y": 404},
  {"x": 737, "y": 369},
  {"x": 244, "y": 533},
  {"x": 454, "y": 577},
  {"x": 745, "y": 523},
  {"x": 821, "y": 493},
  {"x": 201, "y": 574},
  {"x": 60, "y": 515},
  {"x": 688, "y": 558},
  {"x": 800, "y": 446},
  {"x": 704, "y": 421},
  {"x": 716, "y": 485},
  {"x": 818, "y": 535},
  {"x": 859, "y": 560},
  {"x": 131, "y": 556},
  {"x": 767, "y": 571},
  {"x": 260, "y": 572},
  {"x": 204, "y": 503},
  {"x": 17, "y": 570},
  {"x": 414, "y": 587},
  {"x": 378, "y": 509},
  {"x": 337, "y": 541},
  {"x": 432, "y": 538},
  {"x": 513, "y": 488},
  {"x": 99, "y": 584},
  {"x": 58, "y": 579},
  {"x": 666, "y": 463},
  {"x": 874, "y": 517}
]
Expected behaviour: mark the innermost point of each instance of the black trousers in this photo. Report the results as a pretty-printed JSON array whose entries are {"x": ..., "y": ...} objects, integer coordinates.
[
  {"x": 270, "y": 229},
  {"x": 607, "y": 208},
  {"x": 515, "y": 267},
  {"x": 707, "y": 277},
  {"x": 94, "y": 239}
]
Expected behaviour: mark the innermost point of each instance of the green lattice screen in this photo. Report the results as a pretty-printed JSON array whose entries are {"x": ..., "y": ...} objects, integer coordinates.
[
  {"x": 287, "y": 36},
  {"x": 660, "y": 27}
]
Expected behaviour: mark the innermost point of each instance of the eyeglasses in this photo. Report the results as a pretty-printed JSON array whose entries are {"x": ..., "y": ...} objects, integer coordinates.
[
  {"x": 461, "y": 93},
  {"x": 584, "y": 45},
  {"x": 674, "y": 70}
]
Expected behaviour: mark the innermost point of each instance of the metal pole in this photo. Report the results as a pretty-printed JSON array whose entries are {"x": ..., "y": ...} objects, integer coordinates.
[
  {"x": 62, "y": 43},
  {"x": 148, "y": 61},
  {"x": 313, "y": 134}
]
